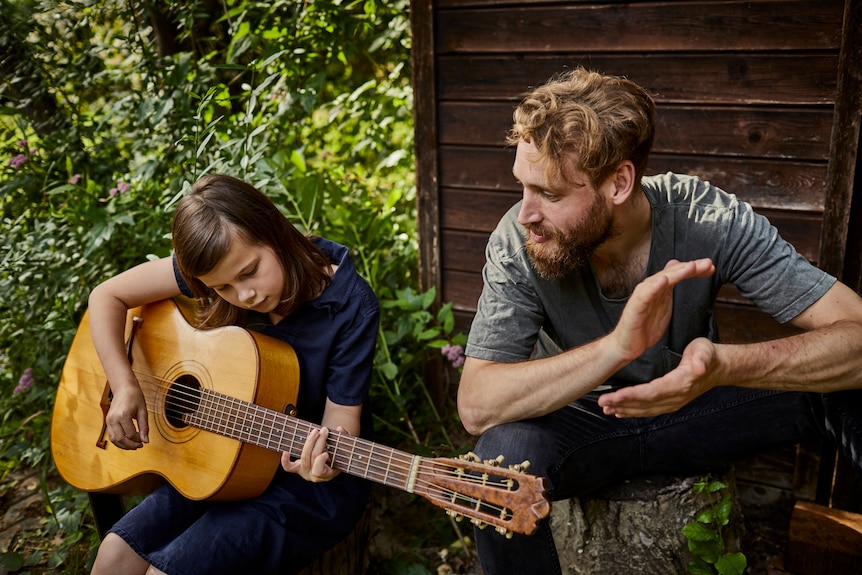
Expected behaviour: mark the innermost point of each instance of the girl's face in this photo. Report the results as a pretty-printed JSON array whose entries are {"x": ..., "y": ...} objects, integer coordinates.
[{"x": 249, "y": 276}]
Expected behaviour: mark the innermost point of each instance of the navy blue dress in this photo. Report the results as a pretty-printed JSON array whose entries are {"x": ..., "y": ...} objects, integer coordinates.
[{"x": 294, "y": 520}]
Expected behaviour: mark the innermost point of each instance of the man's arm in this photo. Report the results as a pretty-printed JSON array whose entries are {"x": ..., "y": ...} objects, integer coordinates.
[
  {"x": 491, "y": 393},
  {"x": 826, "y": 357}
]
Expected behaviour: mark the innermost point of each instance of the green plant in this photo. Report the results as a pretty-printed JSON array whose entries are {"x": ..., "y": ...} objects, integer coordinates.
[
  {"x": 109, "y": 110},
  {"x": 706, "y": 539}
]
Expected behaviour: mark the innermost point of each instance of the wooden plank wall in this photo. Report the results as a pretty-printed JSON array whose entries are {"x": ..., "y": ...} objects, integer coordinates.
[
  {"x": 761, "y": 97},
  {"x": 746, "y": 94}
]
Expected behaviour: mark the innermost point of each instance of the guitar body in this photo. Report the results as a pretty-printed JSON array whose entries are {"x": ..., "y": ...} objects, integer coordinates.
[{"x": 167, "y": 350}]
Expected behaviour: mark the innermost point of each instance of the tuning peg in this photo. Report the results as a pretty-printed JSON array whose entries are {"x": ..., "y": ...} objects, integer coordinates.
[
  {"x": 455, "y": 515},
  {"x": 522, "y": 467},
  {"x": 479, "y": 523},
  {"x": 470, "y": 456},
  {"x": 494, "y": 462},
  {"x": 504, "y": 531}
]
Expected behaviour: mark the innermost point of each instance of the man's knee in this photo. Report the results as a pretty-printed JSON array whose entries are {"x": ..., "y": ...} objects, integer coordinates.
[{"x": 518, "y": 442}]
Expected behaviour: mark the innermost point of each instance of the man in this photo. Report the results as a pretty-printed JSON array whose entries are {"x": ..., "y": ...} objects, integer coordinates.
[{"x": 593, "y": 353}]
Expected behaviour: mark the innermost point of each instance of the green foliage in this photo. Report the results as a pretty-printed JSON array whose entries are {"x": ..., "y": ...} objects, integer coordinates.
[
  {"x": 704, "y": 534},
  {"x": 108, "y": 112}
]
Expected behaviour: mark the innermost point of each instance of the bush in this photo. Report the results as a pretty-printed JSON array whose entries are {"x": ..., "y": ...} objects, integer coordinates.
[{"x": 110, "y": 110}]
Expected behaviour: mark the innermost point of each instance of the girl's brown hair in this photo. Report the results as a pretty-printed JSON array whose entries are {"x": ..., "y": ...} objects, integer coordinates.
[
  {"x": 217, "y": 208},
  {"x": 599, "y": 120}
]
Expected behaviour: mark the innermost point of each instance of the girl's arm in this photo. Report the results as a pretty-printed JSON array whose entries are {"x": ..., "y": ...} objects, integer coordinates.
[
  {"x": 313, "y": 464},
  {"x": 109, "y": 302}
]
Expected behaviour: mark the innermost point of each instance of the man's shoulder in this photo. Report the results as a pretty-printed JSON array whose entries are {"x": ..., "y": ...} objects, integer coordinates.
[{"x": 681, "y": 190}]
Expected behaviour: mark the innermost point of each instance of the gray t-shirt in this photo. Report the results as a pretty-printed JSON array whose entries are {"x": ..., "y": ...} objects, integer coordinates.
[{"x": 520, "y": 313}]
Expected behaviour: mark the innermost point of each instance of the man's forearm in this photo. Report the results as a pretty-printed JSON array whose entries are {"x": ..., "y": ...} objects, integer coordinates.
[
  {"x": 822, "y": 360},
  {"x": 492, "y": 393}
]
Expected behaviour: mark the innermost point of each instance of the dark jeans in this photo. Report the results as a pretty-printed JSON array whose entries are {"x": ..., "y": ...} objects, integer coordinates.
[{"x": 579, "y": 450}]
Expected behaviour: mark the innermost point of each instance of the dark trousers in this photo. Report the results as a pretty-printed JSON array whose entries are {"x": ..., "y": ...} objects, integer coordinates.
[{"x": 579, "y": 450}]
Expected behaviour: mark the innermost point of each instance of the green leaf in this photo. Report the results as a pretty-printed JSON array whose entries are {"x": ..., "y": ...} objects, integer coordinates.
[
  {"x": 699, "y": 532},
  {"x": 390, "y": 370},
  {"x": 428, "y": 298},
  {"x": 12, "y": 561},
  {"x": 731, "y": 564},
  {"x": 427, "y": 334},
  {"x": 706, "y": 516},
  {"x": 723, "y": 510},
  {"x": 709, "y": 551},
  {"x": 700, "y": 567}
]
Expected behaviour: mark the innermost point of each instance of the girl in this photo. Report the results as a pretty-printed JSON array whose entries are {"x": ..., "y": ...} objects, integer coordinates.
[{"x": 245, "y": 264}]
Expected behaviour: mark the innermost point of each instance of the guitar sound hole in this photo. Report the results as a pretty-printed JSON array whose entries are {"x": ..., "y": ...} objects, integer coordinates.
[{"x": 183, "y": 398}]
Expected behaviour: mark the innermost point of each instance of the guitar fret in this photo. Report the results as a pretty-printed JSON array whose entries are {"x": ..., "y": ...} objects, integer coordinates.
[
  {"x": 388, "y": 468},
  {"x": 270, "y": 442},
  {"x": 370, "y": 459}
]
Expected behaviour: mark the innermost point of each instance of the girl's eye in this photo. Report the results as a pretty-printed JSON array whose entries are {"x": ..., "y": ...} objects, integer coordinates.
[{"x": 250, "y": 273}]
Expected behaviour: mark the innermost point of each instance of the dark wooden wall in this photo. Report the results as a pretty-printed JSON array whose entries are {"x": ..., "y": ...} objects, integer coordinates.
[{"x": 761, "y": 97}]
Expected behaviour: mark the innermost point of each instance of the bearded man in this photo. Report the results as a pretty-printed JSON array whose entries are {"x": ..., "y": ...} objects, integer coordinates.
[{"x": 594, "y": 352}]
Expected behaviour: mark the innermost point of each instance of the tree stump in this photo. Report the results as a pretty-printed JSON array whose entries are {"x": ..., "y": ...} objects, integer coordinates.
[{"x": 633, "y": 527}]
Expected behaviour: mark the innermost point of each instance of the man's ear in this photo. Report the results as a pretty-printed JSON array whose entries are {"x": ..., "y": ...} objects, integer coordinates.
[{"x": 624, "y": 182}]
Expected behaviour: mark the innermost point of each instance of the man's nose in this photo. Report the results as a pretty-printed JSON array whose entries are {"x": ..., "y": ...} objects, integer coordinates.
[{"x": 529, "y": 212}]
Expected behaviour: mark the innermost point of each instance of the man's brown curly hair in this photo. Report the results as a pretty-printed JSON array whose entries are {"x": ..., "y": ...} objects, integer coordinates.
[{"x": 597, "y": 120}]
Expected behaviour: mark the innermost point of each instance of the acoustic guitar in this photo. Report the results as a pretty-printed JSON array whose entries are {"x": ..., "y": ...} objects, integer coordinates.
[{"x": 221, "y": 412}]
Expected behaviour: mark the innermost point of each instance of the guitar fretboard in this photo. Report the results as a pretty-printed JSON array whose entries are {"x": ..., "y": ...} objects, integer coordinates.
[{"x": 276, "y": 431}]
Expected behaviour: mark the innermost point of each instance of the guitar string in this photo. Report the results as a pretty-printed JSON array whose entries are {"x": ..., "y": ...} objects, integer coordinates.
[
  {"x": 435, "y": 492},
  {"x": 192, "y": 398}
]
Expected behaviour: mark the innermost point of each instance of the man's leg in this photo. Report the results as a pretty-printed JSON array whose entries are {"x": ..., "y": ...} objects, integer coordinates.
[
  {"x": 579, "y": 450},
  {"x": 548, "y": 443}
]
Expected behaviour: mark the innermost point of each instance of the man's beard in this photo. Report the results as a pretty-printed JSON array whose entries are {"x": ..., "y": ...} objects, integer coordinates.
[{"x": 568, "y": 251}]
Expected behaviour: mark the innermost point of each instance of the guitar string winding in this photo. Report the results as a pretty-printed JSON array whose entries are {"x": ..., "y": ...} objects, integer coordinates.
[{"x": 184, "y": 400}]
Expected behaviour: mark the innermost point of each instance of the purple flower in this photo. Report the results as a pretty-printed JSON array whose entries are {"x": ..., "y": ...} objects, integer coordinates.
[
  {"x": 75, "y": 179},
  {"x": 22, "y": 143},
  {"x": 121, "y": 187},
  {"x": 17, "y": 161},
  {"x": 454, "y": 353},
  {"x": 25, "y": 383}
]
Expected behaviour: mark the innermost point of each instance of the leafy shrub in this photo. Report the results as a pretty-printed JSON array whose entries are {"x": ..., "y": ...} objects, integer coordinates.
[{"x": 110, "y": 110}]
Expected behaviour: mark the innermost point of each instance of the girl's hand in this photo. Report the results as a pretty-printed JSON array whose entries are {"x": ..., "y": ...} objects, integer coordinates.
[
  {"x": 313, "y": 463},
  {"x": 128, "y": 408}
]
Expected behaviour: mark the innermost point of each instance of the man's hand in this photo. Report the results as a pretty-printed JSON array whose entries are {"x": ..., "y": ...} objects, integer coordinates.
[
  {"x": 647, "y": 314},
  {"x": 694, "y": 376}
]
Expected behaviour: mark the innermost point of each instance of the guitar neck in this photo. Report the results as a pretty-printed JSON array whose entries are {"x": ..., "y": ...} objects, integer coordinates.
[{"x": 256, "y": 425}]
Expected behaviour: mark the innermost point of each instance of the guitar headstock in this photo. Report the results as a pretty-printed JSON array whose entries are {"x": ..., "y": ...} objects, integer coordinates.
[{"x": 508, "y": 498}]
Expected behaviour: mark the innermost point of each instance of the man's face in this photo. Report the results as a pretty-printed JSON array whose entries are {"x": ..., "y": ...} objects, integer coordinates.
[{"x": 564, "y": 221}]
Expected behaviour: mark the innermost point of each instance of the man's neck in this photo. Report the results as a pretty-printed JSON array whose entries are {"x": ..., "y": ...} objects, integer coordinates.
[{"x": 621, "y": 262}]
